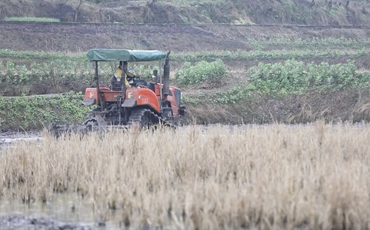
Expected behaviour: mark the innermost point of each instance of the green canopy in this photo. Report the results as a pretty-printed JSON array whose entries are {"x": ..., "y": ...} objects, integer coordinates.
[{"x": 124, "y": 55}]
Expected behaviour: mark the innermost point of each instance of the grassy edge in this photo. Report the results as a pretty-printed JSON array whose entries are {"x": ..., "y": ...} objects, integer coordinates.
[
  {"x": 37, "y": 112},
  {"x": 31, "y": 19}
]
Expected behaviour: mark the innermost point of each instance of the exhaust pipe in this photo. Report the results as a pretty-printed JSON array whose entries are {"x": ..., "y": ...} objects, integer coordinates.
[{"x": 166, "y": 76}]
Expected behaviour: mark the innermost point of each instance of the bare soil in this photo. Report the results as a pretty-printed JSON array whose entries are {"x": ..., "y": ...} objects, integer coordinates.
[{"x": 80, "y": 37}]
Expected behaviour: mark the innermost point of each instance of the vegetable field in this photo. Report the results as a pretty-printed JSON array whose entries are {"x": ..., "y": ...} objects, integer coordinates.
[{"x": 277, "y": 69}]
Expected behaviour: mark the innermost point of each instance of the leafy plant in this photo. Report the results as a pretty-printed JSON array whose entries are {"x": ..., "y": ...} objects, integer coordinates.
[
  {"x": 35, "y": 112},
  {"x": 296, "y": 77},
  {"x": 193, "y": 74}
]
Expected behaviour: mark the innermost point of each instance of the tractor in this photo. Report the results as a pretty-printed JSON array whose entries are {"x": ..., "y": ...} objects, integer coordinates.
[{"x": 144, "y": 103}]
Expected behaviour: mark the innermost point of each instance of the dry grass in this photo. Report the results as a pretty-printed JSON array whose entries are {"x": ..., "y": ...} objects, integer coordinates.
[{"x": 259, "y": 177}]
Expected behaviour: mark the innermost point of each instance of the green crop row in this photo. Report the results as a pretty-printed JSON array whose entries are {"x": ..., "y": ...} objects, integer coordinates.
[
  {"x": 36, "y": 112},
  {"x": 190, "y": 74},
  {"x": 325, "y": 47},
  {"x": 31, "y": 19},
  {"x": 39, "y": 55},
  {"x": 21, "y": 74},
  {"x": 61, "y": 75},
  {"x": 243, "y": 55},
  {"x": 62, "y": 68},
  {"x": 58, "y": 75},
  {"x": 313, "y": 44},
  {"x": 44, "y": 77},
  {"x": 73, "y": 66},
  {"x": 295, "y": 78}
]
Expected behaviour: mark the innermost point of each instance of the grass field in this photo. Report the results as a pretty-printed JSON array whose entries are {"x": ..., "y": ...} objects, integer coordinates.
[
  {"x": 31, "y": 19},
  {"x": 256, "y": 177}
]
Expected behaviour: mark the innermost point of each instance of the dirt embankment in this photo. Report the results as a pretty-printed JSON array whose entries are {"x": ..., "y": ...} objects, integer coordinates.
[
  {"x": 304, "y": 12},
  {"x": 351, "y": 105},
  {"x": 79, "y": 37}
]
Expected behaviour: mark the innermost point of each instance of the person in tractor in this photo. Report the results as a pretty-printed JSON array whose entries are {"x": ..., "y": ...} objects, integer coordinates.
[{"x": 116, "y": 79}]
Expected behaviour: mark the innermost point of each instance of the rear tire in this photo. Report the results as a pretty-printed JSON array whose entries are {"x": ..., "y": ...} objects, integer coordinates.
[{"x": 142, "y": 117}]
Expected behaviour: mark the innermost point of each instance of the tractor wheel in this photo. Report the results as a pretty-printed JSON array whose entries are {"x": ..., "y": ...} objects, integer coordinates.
[
  {"x": 142, "y": 117},
  {"x": 146, "y": 120},
  {"x": 91, "y": 114},
  {"x": 91, "y": 125}
]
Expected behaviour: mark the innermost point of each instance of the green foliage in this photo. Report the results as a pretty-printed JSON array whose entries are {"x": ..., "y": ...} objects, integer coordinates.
[
  {"x": 234, "y": 95},
  {"x": 272, "y": 49},
  {"x": 53, "y": 70},
  {"x": 52, "y": 76},
  {"x": 272, "y": 45},
  {"x": 296, "y": 77},
  {"x": 39, "y": 55},
  {"x": 144, "y": 71},
  {"x": 193, "y": 74},
  {"x": 273, "y": 54},
  {"x": 312, "y": 44},
  {"x": 31, "y": 19},
  {"x": 189, "y": 100},
  {"x": 36, "y": 112}
]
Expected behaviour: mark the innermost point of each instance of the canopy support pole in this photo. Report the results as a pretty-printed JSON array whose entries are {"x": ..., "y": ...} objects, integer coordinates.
[{"x": 97, "y": 85}]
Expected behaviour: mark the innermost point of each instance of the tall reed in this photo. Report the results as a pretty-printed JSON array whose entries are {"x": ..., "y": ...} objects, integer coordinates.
[{"x": 255, "y": 177}]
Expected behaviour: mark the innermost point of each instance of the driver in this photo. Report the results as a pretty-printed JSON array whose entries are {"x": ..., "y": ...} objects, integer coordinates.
[{"x": 116, "y": 79}]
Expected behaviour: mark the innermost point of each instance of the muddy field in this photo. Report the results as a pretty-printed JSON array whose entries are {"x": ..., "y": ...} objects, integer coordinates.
[{"x": 7, "y": 138}]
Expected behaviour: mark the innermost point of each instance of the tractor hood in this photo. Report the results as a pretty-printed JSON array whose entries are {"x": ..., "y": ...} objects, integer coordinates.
[{"x": 124, "y": 55}]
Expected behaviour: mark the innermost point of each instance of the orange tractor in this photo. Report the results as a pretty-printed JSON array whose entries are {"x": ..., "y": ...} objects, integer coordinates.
[{"x": 143, "y": 103}]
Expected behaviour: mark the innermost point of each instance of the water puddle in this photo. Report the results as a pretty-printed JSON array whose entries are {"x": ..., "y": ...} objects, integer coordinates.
[
  {"x": 9, "y": 138},
  {"x": 69, "y": 208}
]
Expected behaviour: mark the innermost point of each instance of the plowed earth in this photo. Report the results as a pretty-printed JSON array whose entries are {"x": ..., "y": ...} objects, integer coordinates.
[{"x": 79, "y": 37}]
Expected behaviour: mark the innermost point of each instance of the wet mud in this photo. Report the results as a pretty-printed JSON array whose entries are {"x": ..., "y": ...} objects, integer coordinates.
[{"x": 13, "y": 222}]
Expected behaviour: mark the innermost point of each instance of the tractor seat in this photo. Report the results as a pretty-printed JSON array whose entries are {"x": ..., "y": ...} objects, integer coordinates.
[
  {"x": 139, "y": 82},
  {"x": 151, "y": 86}
]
